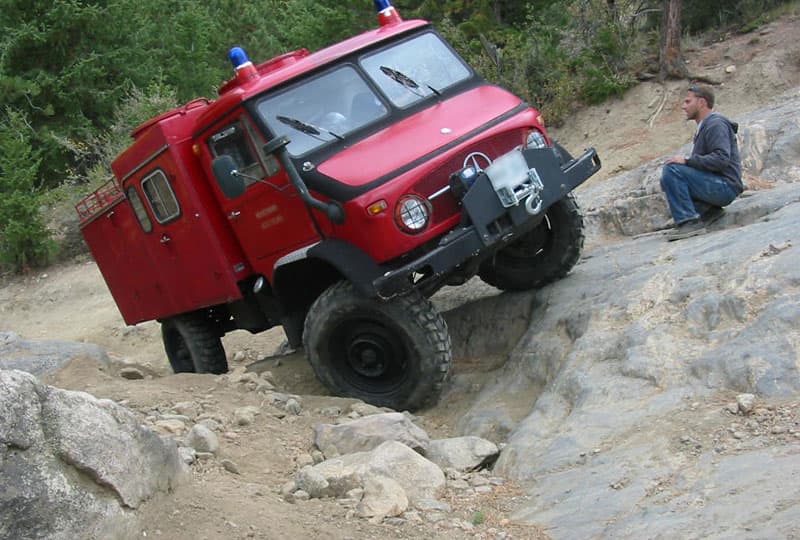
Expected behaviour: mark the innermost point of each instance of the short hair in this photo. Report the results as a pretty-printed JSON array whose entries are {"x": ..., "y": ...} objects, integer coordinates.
[{"x": 704, "y": 92}]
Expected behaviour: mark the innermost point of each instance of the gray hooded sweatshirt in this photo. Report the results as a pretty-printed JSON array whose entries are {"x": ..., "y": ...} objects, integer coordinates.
[{"x": 715, "y": 150}]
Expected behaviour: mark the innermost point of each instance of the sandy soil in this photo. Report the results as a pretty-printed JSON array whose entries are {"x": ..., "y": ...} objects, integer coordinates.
[{"x": 71, "y": 302}]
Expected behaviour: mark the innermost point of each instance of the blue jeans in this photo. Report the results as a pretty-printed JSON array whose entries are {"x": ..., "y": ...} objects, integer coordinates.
[{"x": 690, "y": 192}]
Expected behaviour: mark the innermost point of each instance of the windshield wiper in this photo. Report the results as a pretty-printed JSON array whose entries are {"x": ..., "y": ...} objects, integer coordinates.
[
  {"x": 406, "y": 81},
  {"x": 308, "y": 129}
]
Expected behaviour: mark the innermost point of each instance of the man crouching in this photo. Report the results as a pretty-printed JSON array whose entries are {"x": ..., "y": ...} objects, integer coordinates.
[{"x": 699, "y": 186}]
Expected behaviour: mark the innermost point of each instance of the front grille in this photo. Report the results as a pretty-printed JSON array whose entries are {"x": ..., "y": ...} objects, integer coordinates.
[{"x": 446, "y": 205}]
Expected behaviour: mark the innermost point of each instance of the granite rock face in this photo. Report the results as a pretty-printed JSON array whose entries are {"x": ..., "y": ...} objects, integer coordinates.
[{"x": 73, "y": 466}]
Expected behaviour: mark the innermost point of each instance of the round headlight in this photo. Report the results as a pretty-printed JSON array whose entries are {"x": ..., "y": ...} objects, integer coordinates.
[
  {"x": 536, "y": 140},
  {"x": 412, "y": 214}
]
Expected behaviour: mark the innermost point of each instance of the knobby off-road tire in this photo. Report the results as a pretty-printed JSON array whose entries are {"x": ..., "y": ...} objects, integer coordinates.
[
  {"x": 192, "y": 345},
  {"x": 390, "y": 354},
  {"x": 541, "y": 256}
]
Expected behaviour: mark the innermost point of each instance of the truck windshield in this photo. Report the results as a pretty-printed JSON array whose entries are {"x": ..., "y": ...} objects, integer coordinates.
[
  {"x": 415, "y": 69},
  {"x": 319, "y": 110}
]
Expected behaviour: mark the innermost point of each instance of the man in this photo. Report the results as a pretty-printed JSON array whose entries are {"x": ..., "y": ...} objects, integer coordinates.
[{"x": 699, "y": 186}]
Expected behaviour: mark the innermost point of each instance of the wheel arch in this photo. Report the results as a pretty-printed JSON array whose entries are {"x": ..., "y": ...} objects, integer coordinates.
[{"x": 302, "y": 276}]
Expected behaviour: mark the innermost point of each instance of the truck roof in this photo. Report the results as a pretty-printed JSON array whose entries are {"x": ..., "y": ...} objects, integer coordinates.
[{"x": 277, "y": 71}]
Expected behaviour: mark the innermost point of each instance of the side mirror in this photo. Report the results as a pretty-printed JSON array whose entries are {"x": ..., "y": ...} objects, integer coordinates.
[{"x": 224, "y": 168}]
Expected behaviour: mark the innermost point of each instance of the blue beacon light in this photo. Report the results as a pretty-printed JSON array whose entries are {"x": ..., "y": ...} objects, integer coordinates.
[
  {"x": 387, "y": 14},
  {"x": 244, "y": 68}
]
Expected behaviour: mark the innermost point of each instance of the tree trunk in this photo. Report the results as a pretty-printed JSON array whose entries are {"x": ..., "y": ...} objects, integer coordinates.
[{"x": 671, "y": 63}]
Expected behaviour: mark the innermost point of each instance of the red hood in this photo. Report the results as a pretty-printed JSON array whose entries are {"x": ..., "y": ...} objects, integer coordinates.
[{"x": 418, "y": 135}]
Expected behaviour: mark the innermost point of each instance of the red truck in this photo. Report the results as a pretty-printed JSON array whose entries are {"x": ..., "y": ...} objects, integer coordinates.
[{"x": 333, "y": 193}]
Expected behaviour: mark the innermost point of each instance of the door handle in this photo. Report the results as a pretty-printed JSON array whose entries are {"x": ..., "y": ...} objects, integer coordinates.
[
  {"x": 234, "y": 214},
  {"x": 165, "y": 239}
]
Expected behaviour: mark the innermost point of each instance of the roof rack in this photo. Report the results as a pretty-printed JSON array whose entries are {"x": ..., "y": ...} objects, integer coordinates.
[{"x": 103, "y": 198}]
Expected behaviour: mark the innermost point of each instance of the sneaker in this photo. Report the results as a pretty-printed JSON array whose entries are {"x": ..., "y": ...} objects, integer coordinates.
[
  {"x": 687, "y": 229},
  {"x": 712, "y": 215}
]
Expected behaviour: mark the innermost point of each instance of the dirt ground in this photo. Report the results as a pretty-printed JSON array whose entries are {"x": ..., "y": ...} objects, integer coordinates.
[{"x": 71, "y": 302}]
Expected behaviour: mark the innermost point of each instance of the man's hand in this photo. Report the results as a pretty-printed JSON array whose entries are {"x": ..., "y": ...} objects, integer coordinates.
[{"x": 676, "y": 159}]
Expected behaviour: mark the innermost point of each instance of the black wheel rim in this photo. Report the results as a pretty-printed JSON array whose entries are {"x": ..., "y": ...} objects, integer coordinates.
[{"x": 369, "y": 355}]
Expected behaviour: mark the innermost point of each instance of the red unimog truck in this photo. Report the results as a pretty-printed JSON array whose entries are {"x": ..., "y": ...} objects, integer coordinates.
[{"x": 333, "y": 193}]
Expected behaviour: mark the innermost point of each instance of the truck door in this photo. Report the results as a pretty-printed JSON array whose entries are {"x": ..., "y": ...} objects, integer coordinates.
[
  {"x": 190, "y": 269},
  {"x": 270, "y": 218}
]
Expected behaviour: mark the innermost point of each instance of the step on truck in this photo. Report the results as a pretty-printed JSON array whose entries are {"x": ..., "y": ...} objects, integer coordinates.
[{"x": 332, "y": 194}]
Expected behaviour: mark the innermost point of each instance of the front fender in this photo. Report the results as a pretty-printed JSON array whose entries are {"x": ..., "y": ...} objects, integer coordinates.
[{"x": 352, "y": 262}]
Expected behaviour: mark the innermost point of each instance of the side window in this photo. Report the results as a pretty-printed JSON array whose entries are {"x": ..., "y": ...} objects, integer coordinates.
[
  {"x": 237, "y": 141},
  {"x": 160, "y": 196},
  {"x": 138, "y": 209}
]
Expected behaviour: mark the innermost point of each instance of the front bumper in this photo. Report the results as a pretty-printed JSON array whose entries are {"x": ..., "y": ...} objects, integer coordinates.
[{"x": 490, "y": 224}]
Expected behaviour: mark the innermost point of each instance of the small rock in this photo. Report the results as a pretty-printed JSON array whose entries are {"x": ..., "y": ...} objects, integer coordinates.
[
  {"x": 187, "y": 455},
  {"x": 189, "y": 409},
  {"x": 245, "y": 416},
  {"x": 300, "y": 495},
  {"x": 288, "y": 488},
  {"x": 434, "y": 517},
  {"x": 239, "y": 356},
  {"x": 230, "y": 466},
  {"x": 293, "y": 406},
  {"x": 778, "y": 430},
  {"x": 304, "y": 459},
  {"x": 483, "y": 489},
  {"x": 211, "y": 424},
  {"x": 365, "y": 409},
  {"x": 332, "y": 412},
  {"x": 311, "y": 481},
  {"x": 730, "y": 69},
  {"x": 355, "y": 494},
  {"x": 429, "y": 505},
  {"x": 131, "y": 373},
  {"x": 745, "y": 403},
  {"x": 317, "y": 456},
  {"x": 479, "y": 480},
  {"x": 738, "y": 435},
  {"x": 732, "y": 408},
  {"x": 174, "y": 427},
  {"x": 202, "y": 439}
]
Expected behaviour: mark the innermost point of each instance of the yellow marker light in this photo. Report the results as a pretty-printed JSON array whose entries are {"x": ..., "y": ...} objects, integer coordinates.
[
  {"x": 196, "y": 149},
  {"x": 377, "y": 207},
  {"x": 540, "y": 119}
]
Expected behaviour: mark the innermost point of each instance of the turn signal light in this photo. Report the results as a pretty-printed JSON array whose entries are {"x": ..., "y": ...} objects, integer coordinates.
[{"x": 377, "y": 207}]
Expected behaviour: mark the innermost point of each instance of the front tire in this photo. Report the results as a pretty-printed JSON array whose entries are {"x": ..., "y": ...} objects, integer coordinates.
[
  {"x": 390, "y": 354},
  {"x": 193, "y": 345},
  {"x": 542, "y": 255}
]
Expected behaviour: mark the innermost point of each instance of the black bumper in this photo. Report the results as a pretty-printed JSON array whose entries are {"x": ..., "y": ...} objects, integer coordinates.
[{"x": 490, "y": 224}]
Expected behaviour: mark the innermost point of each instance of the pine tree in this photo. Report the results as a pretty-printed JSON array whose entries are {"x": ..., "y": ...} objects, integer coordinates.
[{"x": 24, "y": 239}]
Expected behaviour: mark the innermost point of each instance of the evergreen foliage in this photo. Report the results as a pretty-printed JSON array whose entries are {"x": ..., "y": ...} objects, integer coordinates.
[{"x": 24, "y": 240}]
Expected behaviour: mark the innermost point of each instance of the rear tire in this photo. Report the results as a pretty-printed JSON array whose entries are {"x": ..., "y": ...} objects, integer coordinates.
[
  {"x": 390, "y": 354},
  {"x": 542, "y": 255},
  {"x": 193, "y": 345}
]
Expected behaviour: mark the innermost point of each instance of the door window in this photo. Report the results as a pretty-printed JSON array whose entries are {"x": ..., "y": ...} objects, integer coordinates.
[
  {"x": 162, "y": 199},
  {"x": 237, "y": 140}
]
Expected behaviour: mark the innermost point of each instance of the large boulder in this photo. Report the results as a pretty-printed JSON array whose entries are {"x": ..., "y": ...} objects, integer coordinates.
[
  {"x": 419, "y": 477},
  {"x": 73, "y": 466},
  {"x": 369, "y": 432},
  {"x": 42, "y": 357},
  {"x": 462, "y": 453}
]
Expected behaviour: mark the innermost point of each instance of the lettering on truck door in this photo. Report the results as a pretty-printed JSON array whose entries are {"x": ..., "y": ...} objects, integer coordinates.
[{"x": 270, "y": 217}]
